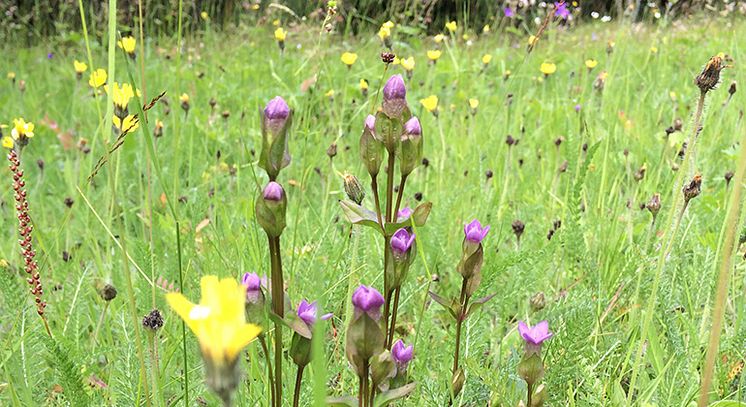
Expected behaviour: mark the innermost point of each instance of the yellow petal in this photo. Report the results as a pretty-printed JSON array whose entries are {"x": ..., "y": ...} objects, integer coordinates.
[
  {"x": 242, "y": 337},
  {"x": 183, "y": 308}
]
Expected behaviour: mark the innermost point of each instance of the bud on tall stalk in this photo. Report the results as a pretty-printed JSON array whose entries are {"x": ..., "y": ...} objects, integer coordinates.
[
  {"x": 276, "y": 119},
  {"x": 270, "y": 209},
  {"x": 411, "y": 147},
  {"x": 371, "y": 148}
]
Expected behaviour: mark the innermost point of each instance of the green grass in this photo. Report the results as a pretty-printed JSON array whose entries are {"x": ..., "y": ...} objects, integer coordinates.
[{"x": 206, "y": 166}]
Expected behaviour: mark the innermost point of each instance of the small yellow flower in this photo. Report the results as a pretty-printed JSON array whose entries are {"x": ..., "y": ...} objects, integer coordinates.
[
  {"x": 383, "y": 33},
  {"x": 473, "y": 103},
  {"x": 465, "y": 37},
  {"x": 11, "y": 75},
  {"x": 204, "y": 16},
  {"x": 388, "y": 24},
  {"x": 184, "y": 98},
  {"x": 407, "y": 63},
  {"x": 486, "y": 59},
  {"x": 506, "y": 74},
  {"x": 434, "y": 54},
  {"x": 397, "y": 60},
  {"x": 280, "y": 34},
  {"x": 121, "y": 95},
  {"x": 129, "y": 124},
  {"x": 329, "y": 93},
  {"x": 653, "y": 50},
  {"x": 363, "y": 85},
  {"x": 7, "y": 142},
  {"x": 451, "y": 26},
  {"x": 98, "y": 78},
  {"x": 486, "y": 29},
  {"x": 672, "y": 95},
  {"x": 22, "y": 129},
  {"x": 430, "y": 103},
  {"x": 349, "y": 58},
  {"x": 439, "y": 38},
  {"x": 532, "y": 40},
  {"x": 590, "y": 63},
  {"x": 255, "y": 6},
  {"x": 127, "y": 44},
  {"x": 219, "y": 320},
  {"x": 80, "y": 67},
  {"x": 276, "y": 22},
  {"x": 548, "y": 68}
]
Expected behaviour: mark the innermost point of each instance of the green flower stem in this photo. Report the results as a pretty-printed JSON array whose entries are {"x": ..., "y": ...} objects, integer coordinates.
[
  {"x": 463, "y": 301},
  {"x": 270, "y": 375},
  {"x": 278, "y": 307}
]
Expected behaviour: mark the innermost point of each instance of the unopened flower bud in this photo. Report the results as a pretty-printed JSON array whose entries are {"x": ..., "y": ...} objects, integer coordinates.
[
  {"x": 732, "y": 88},
  {"x": 353, "y": 188},
  {"x": 654, "y": 205},
  {"x": 394, "y": 97},
  {"x": 276, "y": 120},
  {"x": 108, "y": 292},
  {"x": 538, "y": 301},
  {"x": 728, "y": 177},
  {"x": 270, "y": 209},
  {"x": 518, "y": 228},
  {"x": 364, "y": 335},
  {"x": 411, "y": 147},
  {"x": 710, "y": 76},
  {"x": 367, "y": 300},
  {"x": 371, "y": 148},
  {"x": 153, "y": 321},
  {"x": 693, "y": 188}
]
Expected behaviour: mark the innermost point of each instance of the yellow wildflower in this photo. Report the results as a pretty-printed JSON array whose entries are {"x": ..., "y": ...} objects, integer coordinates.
[
  {"x": 548, "y": 68},
  {"x": 129, "y": 124},
  {"x": 486, "y": 59},
  {"x": 434, "y": 54},
  {"x": 121, "y": 95},
  {"x": 672, "y": 95},
  {"x": 473, "y": 103},
  {"x": 532, "y": 40},
  {"x": 408, "y": 63},
  {"x": 329, "y": 93},
  {"x": 276, "y": 22},
  {"x": 486, "y": 28},
  {"x": 397, "y": 60},
  {"x": 465, "y": 37},
  {"x": 349, "y": 58},
  {"x": 590, "y": 63},
  {"x": 430, "y": 103},
  {"x": 204, "y": 16},
  {"x": 127, "y": 44},
  {"x": 11, "y": 75},
  {"x": 219, "y": 320},
  {"x": 383, "y": 33},
  {"x": 506, "y": 74},
  {"x": 98, "y": 78},
  {"x": 7, "y": 142},
  {"x": 184, "y": 98},
  {"x": 22, "y": 129},
  {"x": 388, "y": 24},
  {"x": 439, "y": 38},
  {"x": 280, "y": 34},
  {"x": 653, "y": 50},
  {"x": 363, "y": 84},
  {"x": 451, "y": 26},
  {"x": 80, "y": 67},
  {"x": 255, "y": 6}
]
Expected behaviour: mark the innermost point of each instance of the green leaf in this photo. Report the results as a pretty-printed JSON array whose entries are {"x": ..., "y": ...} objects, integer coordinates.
[
  {"x": 343, "y": 401},
  {"x": 477, "y": 304},
  {"x": 419, "y": 216},
  {"x": 393, "y": 394},
  {"x": 451, "y": 306},
  {"x": 359, "y": 215}
]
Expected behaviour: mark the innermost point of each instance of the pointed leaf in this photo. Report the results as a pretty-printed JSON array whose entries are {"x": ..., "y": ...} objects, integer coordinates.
[
  {"x": 394, "y": 394},
  {"x": 448, "y": 305},
  {"x": 343, "y": 401},
  {"x": 477, "y": 304},
  {"x": 419, "y": 216},
  {"x": 359, "y": 215}
]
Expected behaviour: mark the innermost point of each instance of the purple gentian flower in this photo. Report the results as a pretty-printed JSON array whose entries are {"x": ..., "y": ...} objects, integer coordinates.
[
  {"x": 475, "y": 232},
  {"x": 578, "y": 107},
  {"x": 402, "y": 354},
  {"x": 253, "y": 285},
  {"x": 50, "y": 55},
  {"x": 508, "y": 12},
  {"x": 370, "y": 123},
  {"x": 560, "y": 10},
  {"x": 534, "y": 336},
  {"x": 412, "y": 126},
  {"x": 273, "y": 192},
  {"x": 401, "y": 241},
  {"x": 394, "y": 88},
  {"x": 307, "y": 312},
  {"x": 404, "y": 214},
  {"x": 367, "y": 300},
  {"x": 277, "y": 109}
]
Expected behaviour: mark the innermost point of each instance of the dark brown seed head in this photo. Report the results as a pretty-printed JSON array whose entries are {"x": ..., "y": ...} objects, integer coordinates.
[
  {"x": 108, "y": 292},
  {"x": 226, "y": 114},
  {"x": 418, "y": 196},
  {"x": 710, "y": 76},
  {"x": 425, "y": 162},
  {"x": 678, "y": 124},
  {"x": 353, "y": 188},
  {"x": 693, "y": 188},
  {"x": 732, "y": 88},
  {"x": 213, "y": 102},
  {"x": 510, "y": 141},
  {"x": 488, "y": 174},
  {"x": 40, "y": 164},
  {"x": 387, "y": 57},
  {"x": 332, "y": 150},
  {"x": 538, "y": 301},
  {"x": 69, "y": 202},
  {"x": 558, "y": 141},
  {"x": 153, "y": 321},
  {"x": 728, "y": 177},
  {"x": 654, "y": 204},
  {"x": 518, "y": 228},
  {"x": 640, "y": 173}
]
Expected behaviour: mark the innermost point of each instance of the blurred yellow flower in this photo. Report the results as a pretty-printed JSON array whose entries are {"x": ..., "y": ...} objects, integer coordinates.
[
  {"x": 98, "y": 78},
  {"x": 408, "y": 63},
  {"x": 434, "y": 54},
  {"x": 486, "y": 28},
  {"x": 121, "y": 95},
  {"x": 430, "y": 103},
  {"x": 486, "y": 59},
  {"x": 349, "y": 58},
  {"x": 548, "y": 68},
  {"x": 280, "y": 34},
  {"x": 329, "y": 93},
  {"x": 129, "y": 124},
  {"x": 451, "y": 26},
  {"x": 473, "y": 103},
  {"x": 672, "y": 95},
  {"x": 184, "y": 98},
  {"x": 255, "y": 6},
  {"x": 204, "y": 15},
  {"x": 22, "y": 128},
  {"x": 506, "y": 74},
  {"x": 363, "y": 84},
  {"x": 7, "y": 142},
  {"x": 219, "y": 320},
  {"x": 127, "y": 44},
  {"x": 397, "y": 60},
  {"x": 532, "y": 40},
  {"x": 11, "y": 75},
  {"x": 276, "y": 22},
  {"x": 384, "y": 33},
  {"x": 388, "y": 24},
  {"x": 80, "y": 67},
  {"x": 653, "y": 50},
  {"x": 590, "y": 63},
  {"x": 439, "y": 38},
  {"x": 466, "y": 37}
]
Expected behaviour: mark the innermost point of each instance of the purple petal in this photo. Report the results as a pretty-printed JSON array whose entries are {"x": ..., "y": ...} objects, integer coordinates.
[
  {"x": 273, "y": 192},
  {"x": 370, "y": 123},
  {"x": 277, "y": 108},
  {"x": 404, "y": 213},
  {"x": 394, "y": 88},
  {"x": 412, "y": 126}
]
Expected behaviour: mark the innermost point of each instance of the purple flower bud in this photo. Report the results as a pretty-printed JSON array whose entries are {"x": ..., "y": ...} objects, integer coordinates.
[
  {"x": 394, "y": 88},
  {"x": 560, "y": 10},
  {"x": 367, "y": 300},
  {"x": 253, "y": 285},
  {"x": 273, "y": 192},
  {"x": 401, "y": 241},
  {"x": 402, "y": 354},
  {"x": 370, "y": 123},
  {"x": 412, "y": 127},
  {"x": 404, "y": 214},
  {"x": 535, "y": 335},
  {"x": 578, "y": 107},
  {"x": 307, "y": 312},
  {"x": 277, "y": 109},
  {"x": 475, "y": 232},
  {"x": 508, "y": 12}
]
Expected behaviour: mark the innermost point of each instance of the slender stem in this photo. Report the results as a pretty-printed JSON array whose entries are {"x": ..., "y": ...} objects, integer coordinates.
[
  {"x": 374, "y": 187},
  {"x": 401, "y": 192},
  {"x": 390, "y": 185},
  {"x": 390, "y": 341},
  {"x": 298, "y": 380},
  {"x": 183, "y": 324},
  {"x": 100, "y": 322},
  {"x": 278, "y": 306},
  {"x": 389, "y": 207},
  {"x": 459, "y": 321},
  {"x": 270, "y": 375},
  {"x": 529, "y": 394},
  {"x": 361, "y": 393}
]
